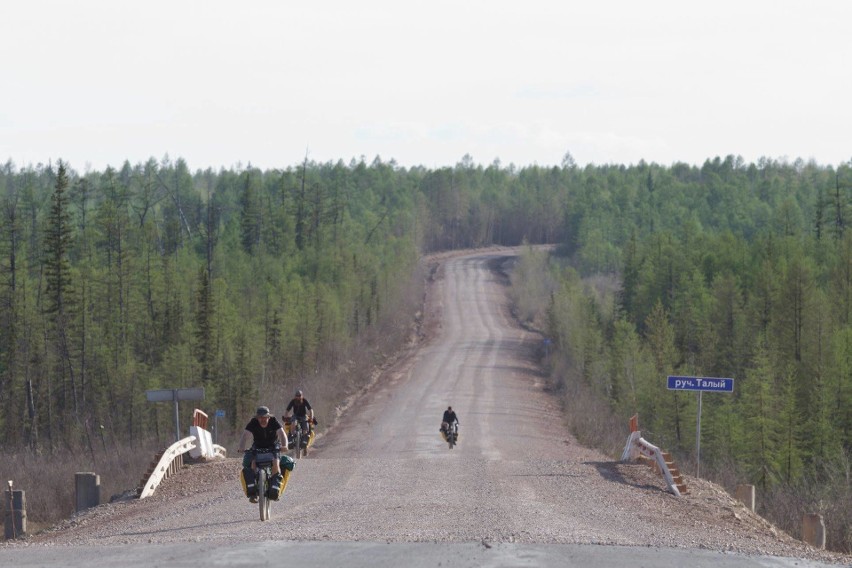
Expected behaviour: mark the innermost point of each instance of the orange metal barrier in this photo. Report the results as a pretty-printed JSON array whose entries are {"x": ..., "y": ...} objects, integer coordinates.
[{"x": 199, "y": 419}]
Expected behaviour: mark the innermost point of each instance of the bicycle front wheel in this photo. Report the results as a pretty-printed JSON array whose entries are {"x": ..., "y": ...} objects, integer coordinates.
[{"x": 262, "y": 497}]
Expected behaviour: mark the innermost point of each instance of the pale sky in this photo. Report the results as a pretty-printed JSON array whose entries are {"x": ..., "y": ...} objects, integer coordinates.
[{"x": 98, "y": 82}]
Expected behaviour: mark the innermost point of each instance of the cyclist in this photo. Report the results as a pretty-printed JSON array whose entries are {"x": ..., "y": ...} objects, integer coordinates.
[
  {"x": 302, "y": 412},
  {"x": 448, "y": 420},
  {"x": 266, "y": 433}
]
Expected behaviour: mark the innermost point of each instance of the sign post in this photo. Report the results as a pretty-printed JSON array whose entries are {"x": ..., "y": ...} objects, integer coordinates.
[
  {"x": 165, "y": 395},
  {"x": 700, "y": 384}
]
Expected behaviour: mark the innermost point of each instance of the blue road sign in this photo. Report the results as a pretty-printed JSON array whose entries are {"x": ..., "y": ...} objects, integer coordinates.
[
  {"x": 701, "y": 384},
  {"x": 220, "y": 414}
]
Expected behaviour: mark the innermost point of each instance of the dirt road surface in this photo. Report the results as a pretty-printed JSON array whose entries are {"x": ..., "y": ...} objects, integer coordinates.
[{"x": 382, "y": 473}]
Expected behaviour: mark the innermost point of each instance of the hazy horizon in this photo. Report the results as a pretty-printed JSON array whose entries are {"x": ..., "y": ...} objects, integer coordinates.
[{"x": 96, "y": 83}]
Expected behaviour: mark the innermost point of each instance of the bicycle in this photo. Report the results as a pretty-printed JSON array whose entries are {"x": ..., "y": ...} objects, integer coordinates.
[
  {"x": 451, "y": 434},
  {"x": 263, "y": 458},
  {"x": 299, "y": 435}
]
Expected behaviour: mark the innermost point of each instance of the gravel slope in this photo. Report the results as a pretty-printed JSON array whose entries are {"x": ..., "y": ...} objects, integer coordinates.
[{"x": 382, "y": 472}]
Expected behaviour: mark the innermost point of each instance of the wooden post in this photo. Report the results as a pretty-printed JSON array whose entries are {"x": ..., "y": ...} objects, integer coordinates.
[
  {"x": 87, "y": 490},
  {"x": 813, "y": 530},
  {"x": 14, "y": 513},
  {"x": 745, "y": 494}
]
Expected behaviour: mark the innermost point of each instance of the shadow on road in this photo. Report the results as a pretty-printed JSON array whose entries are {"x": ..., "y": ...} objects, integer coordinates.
[{"x": 609, "y": 471}]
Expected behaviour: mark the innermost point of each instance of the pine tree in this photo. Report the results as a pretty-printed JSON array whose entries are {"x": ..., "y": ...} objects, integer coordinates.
[
  {"x": 250, "y": 216},
  {"x": 204, "y": 320},
  {"x": 11, "y": 391},
  {"x": 59, "y": 298},
  {"x": 669, "y": 415},
  {"x": 759, "y": 407},
  {"x": 58, "y": 240}
]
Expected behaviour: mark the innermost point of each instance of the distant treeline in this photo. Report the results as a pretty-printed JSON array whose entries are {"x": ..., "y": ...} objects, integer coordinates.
[{"x": 153, "y": 276}]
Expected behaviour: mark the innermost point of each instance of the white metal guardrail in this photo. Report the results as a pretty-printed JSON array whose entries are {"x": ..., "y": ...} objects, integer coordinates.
[
  {"x": 636, "y": 446},
  {"x": 198, "y": 445},
  {"x": 165, "y": 466}
]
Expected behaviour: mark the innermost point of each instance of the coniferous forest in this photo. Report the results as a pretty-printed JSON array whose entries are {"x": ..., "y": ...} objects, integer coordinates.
[{"x": 155, "y": 276}]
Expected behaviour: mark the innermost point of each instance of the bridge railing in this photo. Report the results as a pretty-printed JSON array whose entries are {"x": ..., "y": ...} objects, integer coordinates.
[{"x": 199, "y": 444}]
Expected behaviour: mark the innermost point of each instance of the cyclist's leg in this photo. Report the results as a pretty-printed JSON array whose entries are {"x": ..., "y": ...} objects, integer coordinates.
[
  {"x": 277, "y": 478},
  {"x": 249, "y": 478}
]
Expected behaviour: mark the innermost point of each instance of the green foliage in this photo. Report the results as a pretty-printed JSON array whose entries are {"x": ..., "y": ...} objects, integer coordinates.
[
  {"x": 759, "y": 406},
  {"x": 57, "y": 246},
  {"x": 154, "y": 277}
]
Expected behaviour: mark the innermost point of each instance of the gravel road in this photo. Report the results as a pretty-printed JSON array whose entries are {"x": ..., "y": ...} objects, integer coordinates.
[{"x": 383, "y": 474}]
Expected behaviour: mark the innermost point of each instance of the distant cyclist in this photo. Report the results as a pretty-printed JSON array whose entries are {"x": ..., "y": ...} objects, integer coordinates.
[
  {"x": 302, "y": 412},
  {"x": 449, "y": 419}
]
